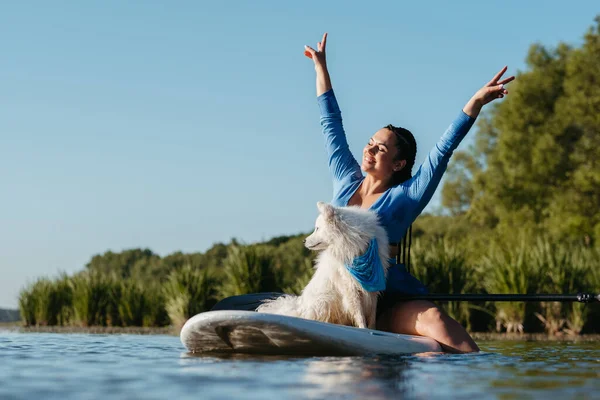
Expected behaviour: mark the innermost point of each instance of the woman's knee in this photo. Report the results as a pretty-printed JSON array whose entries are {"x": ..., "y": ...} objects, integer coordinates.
[{"x": 430, "y": 319}]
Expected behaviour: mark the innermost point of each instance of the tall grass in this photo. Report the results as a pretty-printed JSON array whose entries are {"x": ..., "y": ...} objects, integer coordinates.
[
  {"x": 28, "y": 305},
  {"x": 155, "y": 313},
  {"x": 303, "y": 273},
  {"x": 94, "y": 299},
  {"x": 188, "y": 291},
  {"x": 442, "y": 267},
  {"x": 293, "y": 263},
  {"x": 506, "y": 270},
  {"x": 248, "y": 269},
  {"x": 47, "y": 302},
  {"x": 132, "y": 303},
  {"x": 563, "y": 269}
]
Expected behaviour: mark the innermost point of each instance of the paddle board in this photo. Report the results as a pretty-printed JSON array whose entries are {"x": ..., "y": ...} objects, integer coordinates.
[{"x": 250, "y": 332}]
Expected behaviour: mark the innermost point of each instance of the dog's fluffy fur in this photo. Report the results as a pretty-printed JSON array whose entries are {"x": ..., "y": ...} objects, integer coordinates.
[{"x": 333, "y": 294}]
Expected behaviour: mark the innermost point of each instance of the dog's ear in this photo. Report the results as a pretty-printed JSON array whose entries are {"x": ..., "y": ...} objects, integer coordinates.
[{"x": 327, "y": 210}]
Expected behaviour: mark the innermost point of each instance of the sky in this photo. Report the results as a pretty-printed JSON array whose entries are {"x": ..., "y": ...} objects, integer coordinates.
[{"x": 174, "y": 125}]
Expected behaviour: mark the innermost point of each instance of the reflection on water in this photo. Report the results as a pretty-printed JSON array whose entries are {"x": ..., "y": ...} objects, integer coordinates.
[
  {"x": 353, "y": 376},
  {"x": 128, "y": 366}
]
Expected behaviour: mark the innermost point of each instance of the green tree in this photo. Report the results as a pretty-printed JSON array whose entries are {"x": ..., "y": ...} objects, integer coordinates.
[
  {"x": 534, "y": 165},
  {"x": 122, "y": 264}
]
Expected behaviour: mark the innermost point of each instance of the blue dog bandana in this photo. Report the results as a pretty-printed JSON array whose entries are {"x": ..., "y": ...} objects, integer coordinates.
[{"x": 368, "y": 269}]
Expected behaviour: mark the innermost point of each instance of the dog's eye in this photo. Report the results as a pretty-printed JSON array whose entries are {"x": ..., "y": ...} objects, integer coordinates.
[{"x": 316, "y": 228}]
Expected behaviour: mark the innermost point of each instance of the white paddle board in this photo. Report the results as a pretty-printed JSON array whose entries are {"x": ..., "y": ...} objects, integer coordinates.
[{"x": 250, "y": 332}]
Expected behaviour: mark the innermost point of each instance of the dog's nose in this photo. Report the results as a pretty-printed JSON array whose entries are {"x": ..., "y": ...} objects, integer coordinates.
[{"x": 304, "y": 241}]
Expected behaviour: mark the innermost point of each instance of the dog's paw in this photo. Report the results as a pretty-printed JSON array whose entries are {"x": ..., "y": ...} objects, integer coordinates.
[{"x": 360, "y": 321}]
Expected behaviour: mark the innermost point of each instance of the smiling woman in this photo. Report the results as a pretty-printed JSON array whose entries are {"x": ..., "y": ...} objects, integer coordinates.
[
  {"x": 390, "y": 190},
  {"x": 391, "y": 153},
  {"x": 398, "y": 197}
]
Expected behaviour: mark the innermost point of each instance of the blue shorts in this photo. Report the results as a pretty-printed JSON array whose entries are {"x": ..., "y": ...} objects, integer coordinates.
[{"x": 399, "y": 281}]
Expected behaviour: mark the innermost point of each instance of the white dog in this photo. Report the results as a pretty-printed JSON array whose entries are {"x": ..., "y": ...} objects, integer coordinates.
[{"x": 333, "y": 294}]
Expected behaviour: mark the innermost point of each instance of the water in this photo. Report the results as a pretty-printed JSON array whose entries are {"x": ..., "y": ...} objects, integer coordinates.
[{"x": 73, "y": 366}]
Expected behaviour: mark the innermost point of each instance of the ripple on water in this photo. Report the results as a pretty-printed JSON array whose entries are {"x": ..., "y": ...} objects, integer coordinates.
[{"x": 79, "y": 366}]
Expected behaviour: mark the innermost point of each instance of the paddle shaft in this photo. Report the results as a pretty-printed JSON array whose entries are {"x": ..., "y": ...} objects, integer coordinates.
[{"x": 580, "y": 297}]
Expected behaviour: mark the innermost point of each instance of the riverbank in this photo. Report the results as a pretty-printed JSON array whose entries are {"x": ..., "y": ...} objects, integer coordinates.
[
  {"x": 102, "y": 330},
  {"x": 534, "y": 337}
]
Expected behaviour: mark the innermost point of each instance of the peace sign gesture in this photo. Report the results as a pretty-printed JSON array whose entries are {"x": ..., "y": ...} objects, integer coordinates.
[
  {"x": 494, "y": 89},
  {"x": 491, "y": 91},
  {"x": 318, "y": 56}
]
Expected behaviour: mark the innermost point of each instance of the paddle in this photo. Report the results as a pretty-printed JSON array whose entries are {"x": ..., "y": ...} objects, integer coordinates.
[
  {"x": 250, "y": 302},
  {"x": 579, "y": 297}
]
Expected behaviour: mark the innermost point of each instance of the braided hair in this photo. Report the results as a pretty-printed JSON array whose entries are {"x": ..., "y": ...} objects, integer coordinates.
[{"x": 407, "y": 150}]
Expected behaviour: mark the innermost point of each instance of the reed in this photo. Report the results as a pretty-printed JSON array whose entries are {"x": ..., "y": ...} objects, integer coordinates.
[
  {"x": 291, "y": 259},
  {"x": 28, "y": 305},
  {"x": 507, "y": 269},
  {"x": 94, "y": 299},
  {"x": 132, "y": 303},
  {"x": 188, "y": 291},
  {"x": 47, "y": 302},
  {"x": 442, "y": 266},
  {"x": 155, "y": 313},
  {"x": 303, "y": 276},
  {"x": 248, "y": 269},
  {"x": 563, "y": 268}
]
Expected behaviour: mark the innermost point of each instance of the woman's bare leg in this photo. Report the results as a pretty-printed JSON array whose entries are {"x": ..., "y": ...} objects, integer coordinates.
[{"x": 423, "y": 318}]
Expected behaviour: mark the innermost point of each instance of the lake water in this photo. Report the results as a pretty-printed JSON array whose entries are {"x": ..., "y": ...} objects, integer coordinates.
[{"x": 74, "y": 366}]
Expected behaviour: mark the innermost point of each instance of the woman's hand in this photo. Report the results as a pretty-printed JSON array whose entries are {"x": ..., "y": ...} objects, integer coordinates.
[
  {"x": 493, "y": 90},
  {"x": 318, "y": 56}
]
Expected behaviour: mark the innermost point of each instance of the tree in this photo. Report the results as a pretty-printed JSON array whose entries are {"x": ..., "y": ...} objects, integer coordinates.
[
  {"x": 122, "y": 264},
  {"x": 534, "y": 166}
]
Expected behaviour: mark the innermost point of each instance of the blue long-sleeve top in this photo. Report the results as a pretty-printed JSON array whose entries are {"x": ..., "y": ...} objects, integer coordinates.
[{"x": 400, "y": 205}]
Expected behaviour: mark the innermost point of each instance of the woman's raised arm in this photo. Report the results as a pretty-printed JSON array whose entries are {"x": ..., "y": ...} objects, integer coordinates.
[
  {"x": 425, "y": 181},
  {"x": 341, "y": 161}
]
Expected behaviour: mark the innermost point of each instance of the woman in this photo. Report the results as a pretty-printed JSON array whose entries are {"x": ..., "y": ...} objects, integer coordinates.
[{"x": 398, "y": 197}]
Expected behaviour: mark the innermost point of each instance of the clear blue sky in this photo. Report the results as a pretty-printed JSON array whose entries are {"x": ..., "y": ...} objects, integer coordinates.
[{"x": 175, "y": 125}]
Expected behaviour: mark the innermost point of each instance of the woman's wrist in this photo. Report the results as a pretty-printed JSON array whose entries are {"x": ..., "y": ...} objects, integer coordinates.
[
  {"x": 473, "y": 107},
  {"x": 323, "y": 80},
  {"x": 321, "y": 67}
]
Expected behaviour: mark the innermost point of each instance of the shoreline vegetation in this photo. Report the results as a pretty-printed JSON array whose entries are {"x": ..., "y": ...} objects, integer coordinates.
[
  {"x": 18, "y": 327},
  {"x": 520, "y": 215},
  {"x": 137, "y": 288}
]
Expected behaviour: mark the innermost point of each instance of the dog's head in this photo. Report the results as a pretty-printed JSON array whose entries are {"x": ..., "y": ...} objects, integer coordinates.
[
  {"x": 342, "y": 226},
  {"x": 347, "y": 232},
  {"x": 325, "y": 228}
]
